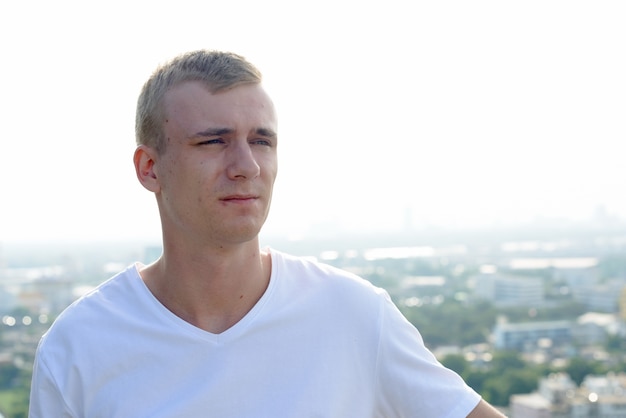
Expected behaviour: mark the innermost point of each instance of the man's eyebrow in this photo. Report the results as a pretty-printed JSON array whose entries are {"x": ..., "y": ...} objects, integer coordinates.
[
  {"x": 213, "y": 132},
  {"x": 266, "y": 132}
]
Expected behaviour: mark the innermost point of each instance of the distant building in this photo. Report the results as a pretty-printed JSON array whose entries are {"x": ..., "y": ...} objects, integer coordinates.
[
  {"x": 600, "y": 297},
  {"x": 527, "y": 335},
  {"x": 548, "y": 401},
  {"x": 576, "y": 272},
  {"x": 594, "y": 327},
  {"x": 505, "y": 291},
  {"x": 531, "y": 405},
  {"x": 558, "y": 397},
  {"x": 582, "y": 278}
]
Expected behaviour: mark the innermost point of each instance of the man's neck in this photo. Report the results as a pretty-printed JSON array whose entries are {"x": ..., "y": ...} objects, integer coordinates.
[{"x": 212, "y": 288}]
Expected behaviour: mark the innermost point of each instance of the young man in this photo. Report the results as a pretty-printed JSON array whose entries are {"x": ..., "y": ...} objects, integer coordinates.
[{"x": 217, "y": 327}]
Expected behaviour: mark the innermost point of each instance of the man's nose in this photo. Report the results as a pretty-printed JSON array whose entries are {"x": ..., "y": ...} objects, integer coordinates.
[{"x": 242, "y": 162}]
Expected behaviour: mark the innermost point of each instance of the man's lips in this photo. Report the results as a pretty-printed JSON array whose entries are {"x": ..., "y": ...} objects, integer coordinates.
[{"x": 239, "y": 198}]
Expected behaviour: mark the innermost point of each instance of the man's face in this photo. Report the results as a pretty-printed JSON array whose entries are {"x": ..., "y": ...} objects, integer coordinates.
[{"x": 219, "y": 163}]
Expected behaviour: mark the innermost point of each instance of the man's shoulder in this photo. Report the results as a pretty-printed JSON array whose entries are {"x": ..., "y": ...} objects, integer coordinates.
[
  {"x": 90, "y": 310},
  {"x": 312, "y": 267},
  {"x": 309, "y": 272}
]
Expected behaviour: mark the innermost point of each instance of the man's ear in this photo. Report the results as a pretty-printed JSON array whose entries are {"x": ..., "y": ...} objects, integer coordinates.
[{"x": 145, "y": 159}]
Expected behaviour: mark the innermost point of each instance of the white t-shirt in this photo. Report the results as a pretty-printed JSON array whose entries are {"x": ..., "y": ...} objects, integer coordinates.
[{"x": 320, "y": 342}]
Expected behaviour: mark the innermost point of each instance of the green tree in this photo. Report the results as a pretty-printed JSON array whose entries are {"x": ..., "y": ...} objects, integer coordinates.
[
  {"x": 457, "y": 363},
  {"x": 8, "y": 374},
  {"x": 499, "y": 387},
  {"x": 616, "y": 344},
  {"x": 476, "y": 380},
  {"x": 578, "y": 368},
  {"x": 507, "y": 360},
  {"x": 452, "y": 322}
]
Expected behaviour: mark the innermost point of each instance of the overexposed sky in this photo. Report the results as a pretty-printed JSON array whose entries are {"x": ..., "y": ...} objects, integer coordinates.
[{"x": 461, "y": 113}]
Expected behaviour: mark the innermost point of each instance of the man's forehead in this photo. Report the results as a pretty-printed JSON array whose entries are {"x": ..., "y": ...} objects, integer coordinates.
[
  {"x": 193, "y": 92},
  {"x": 191, "y": 103}
]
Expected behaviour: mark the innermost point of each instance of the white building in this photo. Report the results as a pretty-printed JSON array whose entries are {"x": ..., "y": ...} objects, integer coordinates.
[
  {"x": 527, "y": 335},
  {"x": 595, "y": 327},
  {"x": 509, "y": 291},
  {"x": 601, "y": 297},
  {"x": 558, "y": 397}
]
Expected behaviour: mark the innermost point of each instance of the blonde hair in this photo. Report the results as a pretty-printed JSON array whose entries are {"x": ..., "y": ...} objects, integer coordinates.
[{"x": 219, "y": 70}]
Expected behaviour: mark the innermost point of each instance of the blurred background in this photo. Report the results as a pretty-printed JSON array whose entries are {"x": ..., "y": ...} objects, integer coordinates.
[
  {"x": 392, "y": 114},
  {"x": 466, "y": 156}
]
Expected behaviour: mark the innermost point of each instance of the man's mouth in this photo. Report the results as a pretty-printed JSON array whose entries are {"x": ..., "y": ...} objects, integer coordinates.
[{"x": 239, "y": 198}]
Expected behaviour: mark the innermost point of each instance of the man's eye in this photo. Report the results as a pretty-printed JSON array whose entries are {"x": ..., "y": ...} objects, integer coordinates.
[
  {"x": 212, "y": 141},
  {"x": 262, "y": 142}
]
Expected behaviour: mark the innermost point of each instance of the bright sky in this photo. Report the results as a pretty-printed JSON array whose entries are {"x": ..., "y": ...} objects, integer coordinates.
[{"x": 461, "y": 113}]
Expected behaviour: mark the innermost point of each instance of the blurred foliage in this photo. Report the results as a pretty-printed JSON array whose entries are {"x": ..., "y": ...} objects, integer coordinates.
[
  {"x": 452, "y": 322},
  {"x": 508, "y": 374},
  {"x": 14, "y": 391},
  {"x": 616, "y": 344},
  {"x": 612, "y": 266},
  {"x": 578, "y": 368},
  {"x": 456, "y": 323}
]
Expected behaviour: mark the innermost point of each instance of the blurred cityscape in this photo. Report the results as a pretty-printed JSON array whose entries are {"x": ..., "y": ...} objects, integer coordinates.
[{"x": 533, "y": 318}]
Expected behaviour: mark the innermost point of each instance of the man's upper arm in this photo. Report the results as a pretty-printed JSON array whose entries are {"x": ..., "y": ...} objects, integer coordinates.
[
  {"x": 484, "y": 410},
  {"x": 45, "y": 397}
]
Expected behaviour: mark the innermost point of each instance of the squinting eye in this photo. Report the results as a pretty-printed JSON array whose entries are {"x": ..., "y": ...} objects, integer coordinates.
[
  {"x": 262, "y": 142},
  {"x": 211, "y": 141}
]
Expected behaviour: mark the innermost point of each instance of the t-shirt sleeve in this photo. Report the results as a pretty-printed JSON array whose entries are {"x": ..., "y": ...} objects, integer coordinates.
[
  {"x": 412, "y": 382},
  {"x": 46, "y": 399}
]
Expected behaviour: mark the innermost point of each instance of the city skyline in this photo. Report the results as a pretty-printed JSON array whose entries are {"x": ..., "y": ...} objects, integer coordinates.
[{"x": 448, "y": 115}]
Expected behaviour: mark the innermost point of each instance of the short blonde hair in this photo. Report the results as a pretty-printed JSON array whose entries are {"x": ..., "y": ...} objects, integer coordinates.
[{"x": 219, "y": 70}]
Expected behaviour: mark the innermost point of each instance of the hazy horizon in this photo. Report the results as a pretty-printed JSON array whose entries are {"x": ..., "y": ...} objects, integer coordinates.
[{"x": 448, "y": 115}]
